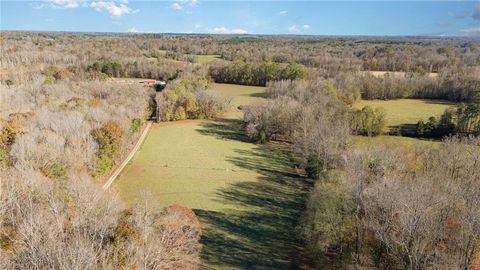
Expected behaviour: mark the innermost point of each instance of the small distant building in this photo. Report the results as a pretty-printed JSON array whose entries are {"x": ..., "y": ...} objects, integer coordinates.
[{"x": 152, "y": 82}]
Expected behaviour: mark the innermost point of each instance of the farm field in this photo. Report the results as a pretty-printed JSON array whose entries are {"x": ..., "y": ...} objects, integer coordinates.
[
  {"x": 405, "y": 112},
  {"x": 247, "y": 196}
]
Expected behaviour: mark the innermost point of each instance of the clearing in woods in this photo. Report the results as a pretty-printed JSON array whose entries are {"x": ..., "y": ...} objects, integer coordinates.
[
  {"x": 207, "y": 58},
  {"x": 405, "y": 113},
  {"x": 247, "y": 196}
]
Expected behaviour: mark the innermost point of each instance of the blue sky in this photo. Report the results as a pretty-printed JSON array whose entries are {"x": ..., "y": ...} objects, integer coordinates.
[{"x": 246, "y": 17}]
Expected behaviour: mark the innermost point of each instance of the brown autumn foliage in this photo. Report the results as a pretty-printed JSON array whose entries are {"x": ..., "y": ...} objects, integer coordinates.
[
  {"x": 55, "y": 127},
  {"x": 387, "y": 208}
]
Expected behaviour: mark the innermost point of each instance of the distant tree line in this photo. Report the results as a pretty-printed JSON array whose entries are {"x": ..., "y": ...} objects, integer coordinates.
[
  {"x": 256, "y": 74},
  {"x": 455, "y": 86},
  {"x": 133, "y": 70}
]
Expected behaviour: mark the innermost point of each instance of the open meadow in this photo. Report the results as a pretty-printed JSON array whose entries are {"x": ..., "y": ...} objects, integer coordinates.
[
  {"x": 405, "y": 113},
  {"x": 247, "y": 196}
]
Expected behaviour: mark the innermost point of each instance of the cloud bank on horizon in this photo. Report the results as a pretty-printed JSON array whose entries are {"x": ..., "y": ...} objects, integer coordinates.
[{"x": 249, "y": 17}]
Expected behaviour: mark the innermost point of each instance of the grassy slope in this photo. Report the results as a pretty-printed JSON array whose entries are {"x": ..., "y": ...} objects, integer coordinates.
[{"x": 247, "y": 196}]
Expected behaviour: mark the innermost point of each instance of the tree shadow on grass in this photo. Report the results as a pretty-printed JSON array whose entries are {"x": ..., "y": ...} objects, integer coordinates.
[
  {"x": 259, "y": 230},
  {"x": 407, "y": 130},
  {"x": 225, "y": 129},
  {"x": 260, "y": 95}
]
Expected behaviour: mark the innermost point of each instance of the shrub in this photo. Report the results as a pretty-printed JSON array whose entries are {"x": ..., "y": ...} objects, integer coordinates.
[
  {"x": 136, "y": 125},
  {"x": 4, "y": 158},
  {"x": 54, "y": 73},
  {"x": 55, "y": 171},
  {"x": 103, "y": 164},
  {"x": 8, "y": 134},
  {"x": 50, "y": 71},
  {"x": 179, "y": 114}
]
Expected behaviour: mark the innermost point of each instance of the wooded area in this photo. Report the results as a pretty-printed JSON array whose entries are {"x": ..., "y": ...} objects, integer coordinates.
[{"x": 65, "y": 123}]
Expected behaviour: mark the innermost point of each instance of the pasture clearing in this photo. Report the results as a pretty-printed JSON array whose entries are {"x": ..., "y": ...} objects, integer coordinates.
[
  {"x": 248, "y": 196},
  {"x": 405, "y": 113},
  {"x": 207, "y": 58}
]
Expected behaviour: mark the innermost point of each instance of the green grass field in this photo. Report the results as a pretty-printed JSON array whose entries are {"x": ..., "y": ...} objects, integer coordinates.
[
  {"x": 207, "y": 58},
  {"x": 405, "y": 113},
  {"x": 247, "y": 196}
]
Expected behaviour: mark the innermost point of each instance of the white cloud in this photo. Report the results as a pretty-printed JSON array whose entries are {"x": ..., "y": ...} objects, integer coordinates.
[
  {"x": 472, "y": 32},
  {"x": 283, "y": 13},
  {"x": 293, "y": 29},
  {"x": 64, "y": 3},
  {"x": 115, "y": 8},
  {"x": 197, "y": 25},
  {"x": 112, "y": 8},
  {"x": 182, "y": 4},
  {"x": 306, "y": 26},
  {"x": 133, "y": 30},
  {"x": 224, "y": 30},
  {"x": 176, "y": 6}
]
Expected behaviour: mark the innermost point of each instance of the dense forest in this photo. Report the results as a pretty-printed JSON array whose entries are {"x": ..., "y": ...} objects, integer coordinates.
[{"x": 67, "y": 119}]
